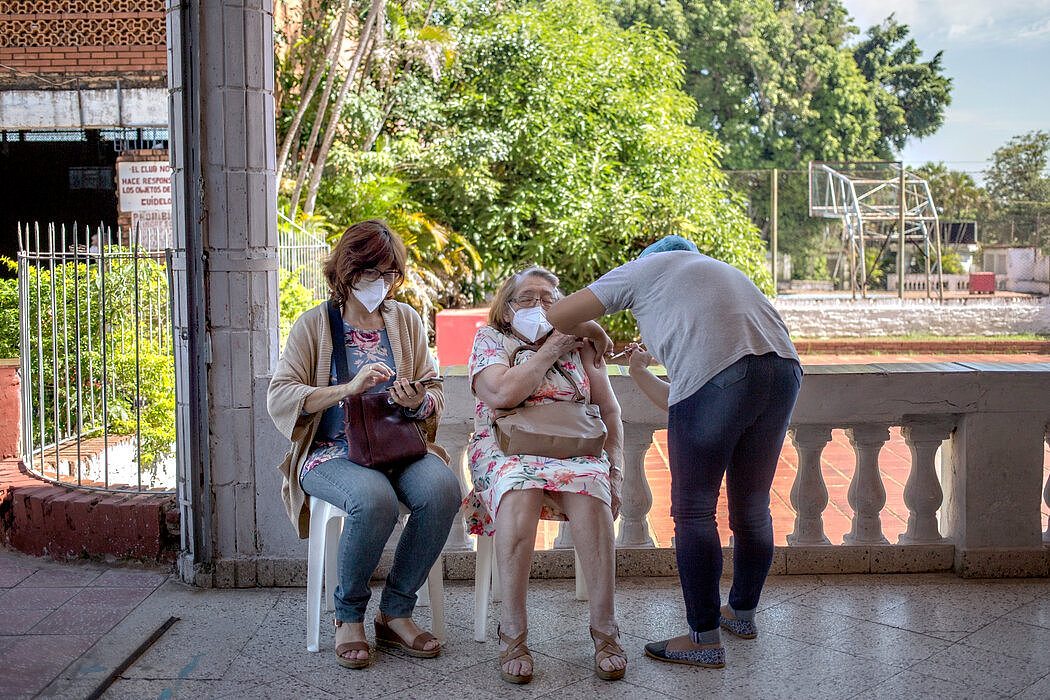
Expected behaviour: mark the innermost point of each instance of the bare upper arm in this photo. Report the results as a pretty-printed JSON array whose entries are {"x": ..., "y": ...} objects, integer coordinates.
[
  {"x": 579, "y": 307},
  {"x": 487, "y": 382},
  {"x": 601, "y": 388}
]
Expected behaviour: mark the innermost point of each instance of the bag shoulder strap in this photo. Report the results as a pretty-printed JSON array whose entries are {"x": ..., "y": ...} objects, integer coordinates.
[
  {"x": 335, "y": 325},
  {"x": 557, "y": 368}
]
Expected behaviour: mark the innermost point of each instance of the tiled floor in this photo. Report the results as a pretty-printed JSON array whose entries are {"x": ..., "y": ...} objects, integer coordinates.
[
  {"x": 821, "y": 637},
  {"x": 51, "y": 613}
]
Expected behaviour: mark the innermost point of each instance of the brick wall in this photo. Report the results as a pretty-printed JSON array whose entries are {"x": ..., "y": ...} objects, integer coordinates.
[
  {"x": 41, "y": 518},
  {"x": 44, "y": 42}
]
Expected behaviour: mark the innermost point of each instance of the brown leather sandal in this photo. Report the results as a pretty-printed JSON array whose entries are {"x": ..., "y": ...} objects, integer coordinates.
[
  {"x": 387, "y": 637},
  {"x": 341, "y": 649},
  {"x": 606, "y": 647},
  {"x": 516, "y": 649}
]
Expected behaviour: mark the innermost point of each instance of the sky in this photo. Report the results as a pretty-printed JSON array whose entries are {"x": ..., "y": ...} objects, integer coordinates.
[{"x": 997, "y": 53}]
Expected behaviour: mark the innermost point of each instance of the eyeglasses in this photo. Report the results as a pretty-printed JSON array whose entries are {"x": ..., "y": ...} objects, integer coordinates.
[
  {"x": 530, "y": 300},
  {"x": 371, "y": 275}
]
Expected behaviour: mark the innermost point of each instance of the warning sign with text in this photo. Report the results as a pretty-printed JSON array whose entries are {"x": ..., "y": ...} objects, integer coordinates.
[{"x": 144, "y": 185}]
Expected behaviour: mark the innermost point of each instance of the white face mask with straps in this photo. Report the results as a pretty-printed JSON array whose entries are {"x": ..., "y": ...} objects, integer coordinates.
[
  {"x": 531, "y": 323},
  {"x": 371, "y": 294}
]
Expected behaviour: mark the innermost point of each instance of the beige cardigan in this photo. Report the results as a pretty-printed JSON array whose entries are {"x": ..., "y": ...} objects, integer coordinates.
[{"x": 306, "y": 364}]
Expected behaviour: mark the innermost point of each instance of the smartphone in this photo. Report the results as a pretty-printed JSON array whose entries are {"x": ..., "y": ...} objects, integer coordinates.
[{"x": 429, "y": 381}]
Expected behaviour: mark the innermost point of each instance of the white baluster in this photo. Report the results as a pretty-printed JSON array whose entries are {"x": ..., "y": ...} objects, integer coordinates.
[
  {"x": 637, "y": 498},
  {"x": 1046, "y": 500},
  {"x": 809, "y": 494},
  {"x": 564, "y": 538},
  {"x": 866, "y": 495},
  {"x": 455, "y": 440},
  {"x": 922, "y": 493}
]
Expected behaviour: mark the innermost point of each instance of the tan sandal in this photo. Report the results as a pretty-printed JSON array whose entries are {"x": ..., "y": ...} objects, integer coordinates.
[
  {"x": 387, "y": 637},
  {"x": 341, "y": 649},
  {"x": 606, "y": 647},
  {"x": 516, "y": 649}
]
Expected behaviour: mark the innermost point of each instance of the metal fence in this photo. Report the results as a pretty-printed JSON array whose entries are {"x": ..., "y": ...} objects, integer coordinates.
[
  {"x": 97, "y": 364},
  {"x": 301, "y": 255}
]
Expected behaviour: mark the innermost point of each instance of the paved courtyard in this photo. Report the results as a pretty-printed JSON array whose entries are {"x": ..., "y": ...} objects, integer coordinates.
[{"x": 67, "y": 627}]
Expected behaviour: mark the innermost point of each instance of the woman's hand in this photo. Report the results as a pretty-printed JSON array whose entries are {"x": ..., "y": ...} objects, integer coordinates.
[
  {"x": 409, "y": 394},
  {"x": 599, "y": 339},
  {"x": 367, "y": 377},
  {"x": 638, "y": 358},
  {"x": 558, "y": 344}
]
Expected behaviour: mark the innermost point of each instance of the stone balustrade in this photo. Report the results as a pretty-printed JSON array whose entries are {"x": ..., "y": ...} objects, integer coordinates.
[{"x": 980, "y": 516}]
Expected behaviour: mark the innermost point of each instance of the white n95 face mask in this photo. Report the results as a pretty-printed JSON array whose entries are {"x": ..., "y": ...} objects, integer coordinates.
[
  {"x": 371, "y": 294},
  {"x": 531, "y": 323}
]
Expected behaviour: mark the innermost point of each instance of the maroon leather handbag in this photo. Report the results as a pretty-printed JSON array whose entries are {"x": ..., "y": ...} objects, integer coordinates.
[{"x": 378, "y": 435}]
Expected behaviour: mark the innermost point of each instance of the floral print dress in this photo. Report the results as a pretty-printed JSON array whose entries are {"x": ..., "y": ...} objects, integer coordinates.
[
  {"x": 494, "y": 473},
  {"x": 362, "y": 347}
]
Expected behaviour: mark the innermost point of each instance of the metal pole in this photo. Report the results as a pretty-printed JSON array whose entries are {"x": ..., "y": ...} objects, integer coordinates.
[
  {"x": 940, "y": 262},
  {"x": 192, "y": 424},
  {"x": 105, "y": 247},
  {"x": 25, "y": 354},
  {"x": 773, "y": 207},
  {"x": 926, "y": 254},
  {"x": 135, "y": 250},
  {"x": 56, "y": 415},
  {"x": 80, "y": 370},
  {"x": 852, "y": 265},
  {"x": 900, "y": 232},
  {"x": 39, "y": 350}
]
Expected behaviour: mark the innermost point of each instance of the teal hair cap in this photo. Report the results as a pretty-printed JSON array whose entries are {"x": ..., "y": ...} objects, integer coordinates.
[{"x": 670, "y": 243}]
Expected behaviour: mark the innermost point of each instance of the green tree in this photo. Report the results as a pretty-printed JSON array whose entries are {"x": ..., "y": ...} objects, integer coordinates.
[
  {"x": 910, "y": 94},
  {"x": 780, "y": 84},
  {"x": 567, "y": 141},
  {"x": 774, "y": 80},
  {"x": 1018, "y": 171},
  {"x": 956, "y": 194},
  {"x": 1020, "y": 189}
]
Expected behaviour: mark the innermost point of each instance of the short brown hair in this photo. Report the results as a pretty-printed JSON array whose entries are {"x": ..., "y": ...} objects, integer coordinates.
[
  {"x": 365, "y": 245},
  {"x": 509, "y": 289}
]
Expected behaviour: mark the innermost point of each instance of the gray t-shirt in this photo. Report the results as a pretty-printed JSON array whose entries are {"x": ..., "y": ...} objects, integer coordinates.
[{"x": 697, "y": 315}]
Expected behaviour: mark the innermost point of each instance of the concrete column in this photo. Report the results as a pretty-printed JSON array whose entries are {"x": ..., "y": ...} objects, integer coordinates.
[
  {"x": 992, "y": 510},
  {"x": 225, "y": 193}
]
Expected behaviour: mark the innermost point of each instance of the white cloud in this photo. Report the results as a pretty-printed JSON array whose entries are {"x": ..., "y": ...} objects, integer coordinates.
[
  {"x": 1036, "y": 30},
  {"x": 963, "y": 21}
]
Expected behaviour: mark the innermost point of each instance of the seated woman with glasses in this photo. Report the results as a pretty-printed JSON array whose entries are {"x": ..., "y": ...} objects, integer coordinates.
[
  {"x": 386, "y": 351},
  {"x": 512, "y": 492}
]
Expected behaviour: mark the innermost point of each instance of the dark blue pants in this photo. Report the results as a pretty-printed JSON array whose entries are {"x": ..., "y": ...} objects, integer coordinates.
[{"x": 733, "y": 426}]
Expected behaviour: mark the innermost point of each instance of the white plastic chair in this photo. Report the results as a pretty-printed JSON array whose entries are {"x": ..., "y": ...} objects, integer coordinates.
[
  {"x": 326, "y": 524},
  {"x": 487, "y": 584}
]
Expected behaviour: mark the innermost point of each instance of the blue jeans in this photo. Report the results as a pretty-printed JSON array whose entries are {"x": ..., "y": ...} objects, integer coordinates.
[
  {"x": 431, "y": 492},
  {"x": 733, "y": 426}
]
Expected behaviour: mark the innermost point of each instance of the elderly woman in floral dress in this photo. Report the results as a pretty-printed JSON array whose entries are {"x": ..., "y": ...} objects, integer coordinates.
[{"x": 512, "y": 492}]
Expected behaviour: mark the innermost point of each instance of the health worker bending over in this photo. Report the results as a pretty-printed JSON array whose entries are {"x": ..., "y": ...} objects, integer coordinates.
[{"x": 734, "y": 377}]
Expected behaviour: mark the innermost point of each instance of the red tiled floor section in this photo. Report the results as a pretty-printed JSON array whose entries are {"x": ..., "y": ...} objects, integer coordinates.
[{"x": 50, "y": 614}]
